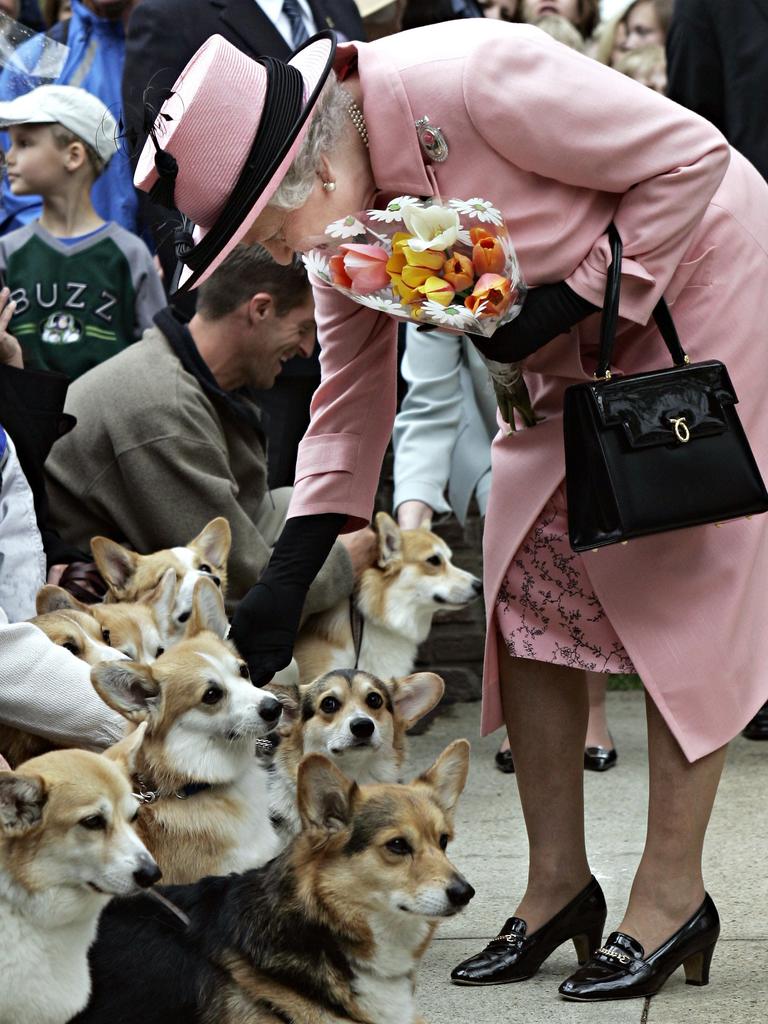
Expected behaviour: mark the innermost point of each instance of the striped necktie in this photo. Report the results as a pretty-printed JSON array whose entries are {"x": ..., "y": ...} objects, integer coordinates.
[{"x": 299, "y": 33}]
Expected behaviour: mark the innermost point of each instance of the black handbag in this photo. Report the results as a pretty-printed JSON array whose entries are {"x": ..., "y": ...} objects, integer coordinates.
[{"x": 656, "y": 451}]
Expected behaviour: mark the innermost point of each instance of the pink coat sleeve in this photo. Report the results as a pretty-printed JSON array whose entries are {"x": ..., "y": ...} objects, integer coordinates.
[
  {"x": 339, "y": 460},
  {"x": 555, "y": 113}
]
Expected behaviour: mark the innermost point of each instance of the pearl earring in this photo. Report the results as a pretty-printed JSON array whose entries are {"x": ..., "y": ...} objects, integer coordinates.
[{"x": 329, "y": 186}]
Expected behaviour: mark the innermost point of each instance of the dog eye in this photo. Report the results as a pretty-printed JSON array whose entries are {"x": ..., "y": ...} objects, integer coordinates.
[
  {"x": 184, "y": 616},
  {"x": 94, "y": 822},
  {"x": 244, "y": 671},
  {"x": 206, "y": 568},
  {"x": 105, "y": 635},
  {"x": 213, "y": 695},
  {"x": 72, "y": 648},
  {"x": 444, "y": 841},
  {"x": 435, "y": 560},
  {"x": 329, "y": 705},
  {"x": 400, "y": 846},
  {"x": 159, "y": 651},
  {"x": 374, "y": 700}
]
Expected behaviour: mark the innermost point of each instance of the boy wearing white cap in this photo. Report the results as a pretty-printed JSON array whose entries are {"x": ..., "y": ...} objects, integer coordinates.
[{"x": 83, "y": 288}]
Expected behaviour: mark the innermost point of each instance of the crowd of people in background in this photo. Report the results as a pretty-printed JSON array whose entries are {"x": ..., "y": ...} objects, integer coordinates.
[{"x": 88, "y": 267}]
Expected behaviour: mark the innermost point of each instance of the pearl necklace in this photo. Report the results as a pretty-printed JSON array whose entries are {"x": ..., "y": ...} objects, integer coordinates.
[{"x": 357, "y": 118}]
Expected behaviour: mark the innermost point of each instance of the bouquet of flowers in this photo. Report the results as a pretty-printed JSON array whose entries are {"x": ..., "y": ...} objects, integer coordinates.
[{"x": 444, "y": 265}]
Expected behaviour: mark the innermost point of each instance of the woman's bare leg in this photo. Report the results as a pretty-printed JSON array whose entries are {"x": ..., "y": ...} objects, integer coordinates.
[
  {"x": 597, "y": 727},
  {"x": 546, "y": 709},
  {"x": 668, "y": 885}
]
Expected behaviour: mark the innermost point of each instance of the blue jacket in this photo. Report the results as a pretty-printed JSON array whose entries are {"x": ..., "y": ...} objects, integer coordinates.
[{"x": 94, "y": 62}]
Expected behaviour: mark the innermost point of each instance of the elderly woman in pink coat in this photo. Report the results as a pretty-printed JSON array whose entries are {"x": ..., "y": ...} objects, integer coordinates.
[{"x": 268, "y": 153}]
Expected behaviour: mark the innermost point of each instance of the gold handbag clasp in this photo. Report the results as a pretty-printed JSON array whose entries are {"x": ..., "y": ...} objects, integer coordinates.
[{"x": 682, "y": 433}]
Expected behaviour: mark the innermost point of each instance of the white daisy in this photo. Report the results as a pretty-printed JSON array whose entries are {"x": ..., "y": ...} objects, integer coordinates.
[
  {"x": 454, "y": 315},
  {"x": 478, "y": 209},
  {"x": 317, "y": 264},
  {"x": 378, "y": 301},
  {"x": 347, "y": 227},
  {"x": 388, "y": 306},
  {"x": 393, "y": 211}
]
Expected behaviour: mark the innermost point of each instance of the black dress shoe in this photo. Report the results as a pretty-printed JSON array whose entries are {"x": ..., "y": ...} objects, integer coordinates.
[
  {"x": 620, "y": 969},
  {"x": 757, "y": 728},
  {"x": 504, "y": 762},
  {"x": 515, "y": 956},
  {"x": 599, "y": 759}
]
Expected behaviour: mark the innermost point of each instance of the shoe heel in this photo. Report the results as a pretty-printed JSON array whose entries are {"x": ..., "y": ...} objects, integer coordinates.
[
  {"x": 587, "y": 943},
  {"x": 696, "y": 967}
]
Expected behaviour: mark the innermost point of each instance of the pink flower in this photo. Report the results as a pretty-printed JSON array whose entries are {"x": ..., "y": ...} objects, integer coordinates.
[{"x": 365, "y": 266}]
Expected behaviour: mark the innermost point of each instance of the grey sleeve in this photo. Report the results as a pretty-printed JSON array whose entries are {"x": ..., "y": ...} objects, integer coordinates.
[
  {"x": 47, "y": 691},
  {"x": 150, "y": 295}
]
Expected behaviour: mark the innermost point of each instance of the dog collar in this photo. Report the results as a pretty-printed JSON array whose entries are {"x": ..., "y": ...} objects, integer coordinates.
[{"x": 148, "y": 794}]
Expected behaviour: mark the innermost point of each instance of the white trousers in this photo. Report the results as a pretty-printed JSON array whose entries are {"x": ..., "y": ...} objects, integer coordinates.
[{"x": 22, "y": 559}]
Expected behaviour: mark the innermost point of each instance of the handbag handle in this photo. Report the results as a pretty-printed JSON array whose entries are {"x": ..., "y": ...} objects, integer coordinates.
[{"x": 661, "y": 315}]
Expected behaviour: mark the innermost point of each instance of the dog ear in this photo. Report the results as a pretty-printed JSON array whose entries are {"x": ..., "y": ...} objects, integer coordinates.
[
  {"x": 324, "y": 794},
  {"x": 207, "y": 611},
  {"x": 448, "y": 775},
  {"x": 115, "y": 563},
  {"x": 162, "y": 597},
  {"x": 416, "y": 695},
  {"x": 22, "y": 798},
  {"x": 53, "y": 599},
  {"x": 124, "y": 751},
  {"x": 213, "y": 542},
  {"x": 127, "y": 687},
  {"x": 390, "y": 540}
]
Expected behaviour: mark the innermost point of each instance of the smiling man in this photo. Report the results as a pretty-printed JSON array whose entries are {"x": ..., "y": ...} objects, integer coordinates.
[{"x": 168, "y": 435}]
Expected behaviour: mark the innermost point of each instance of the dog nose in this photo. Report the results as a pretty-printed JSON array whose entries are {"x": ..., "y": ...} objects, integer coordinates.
[
  {"x": 459, "y": 892},
  {"x": 270, "y": 709},
  {"x": 477, "y": 586},
  {"x": 147, "y": 874},
  {"x": 362, "y": 728},
  {"x": 216, "y": 580}
]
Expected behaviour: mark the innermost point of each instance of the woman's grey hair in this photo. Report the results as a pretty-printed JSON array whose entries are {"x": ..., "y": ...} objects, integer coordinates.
[{"x": 329, "y": 122}]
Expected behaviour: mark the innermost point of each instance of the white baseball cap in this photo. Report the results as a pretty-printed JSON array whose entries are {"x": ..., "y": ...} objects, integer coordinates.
[{"x": 76, "y": 109}]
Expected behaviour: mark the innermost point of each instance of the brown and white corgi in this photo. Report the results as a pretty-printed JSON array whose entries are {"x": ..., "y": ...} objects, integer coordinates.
[
  {"x": 131, "y": 576},
  {"x": 139, "y": 629},
  {"x": 356, "y": 720},
  {"x": 396, "y": 600},
  {"x": 332, "y": 930},
  {"x": 67, "y": 845},
  {"x": 207, "y": 809}
]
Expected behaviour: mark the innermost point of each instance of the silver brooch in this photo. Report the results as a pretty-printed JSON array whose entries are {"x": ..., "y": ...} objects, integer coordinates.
[{"x": 432, "y": 140}]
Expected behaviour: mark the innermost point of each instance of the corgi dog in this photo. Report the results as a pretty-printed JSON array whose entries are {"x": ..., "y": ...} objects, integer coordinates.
[
  {"x": 207, "y": 806},
  {"x": 357, "y": 721},
  {"x": 332, "y": 930},
  {"x": 139, "y": 629},
  {"x": 80, "y": 634},
  {"x": 67, "y": 845},
  {"x": 395, "y": 599},
  {"x": 130, "y": 576}
]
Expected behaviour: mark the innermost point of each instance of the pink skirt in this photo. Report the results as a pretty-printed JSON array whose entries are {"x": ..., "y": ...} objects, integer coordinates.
[{"x": 546, "y": 609}]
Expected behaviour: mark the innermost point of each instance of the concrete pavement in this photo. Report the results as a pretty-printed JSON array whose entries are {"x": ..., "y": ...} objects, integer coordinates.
[{"x": 490, "y": 850}]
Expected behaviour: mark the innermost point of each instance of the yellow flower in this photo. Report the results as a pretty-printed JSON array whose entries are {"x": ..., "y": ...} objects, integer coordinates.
[{"x": 438, "y": 290}]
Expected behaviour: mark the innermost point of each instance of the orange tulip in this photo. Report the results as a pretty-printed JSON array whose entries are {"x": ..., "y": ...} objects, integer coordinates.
[
  {"x": 488, "y": 256},
  {"x": 458, "y": 271},
  {"x": 477, "y": 233},
  {"x": 339, "y": 275},
  {"x": 438, "y": 290},
  {"x": 493, "y": 290}
]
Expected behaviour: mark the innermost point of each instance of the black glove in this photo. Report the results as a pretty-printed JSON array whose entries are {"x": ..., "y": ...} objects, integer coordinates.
[
  {"x": 548, "y": 311},
  {"x": 266, "y": 621}
]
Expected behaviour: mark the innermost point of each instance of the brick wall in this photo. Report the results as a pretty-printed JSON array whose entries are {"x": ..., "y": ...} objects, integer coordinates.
[{"x": 454, "y": 648}]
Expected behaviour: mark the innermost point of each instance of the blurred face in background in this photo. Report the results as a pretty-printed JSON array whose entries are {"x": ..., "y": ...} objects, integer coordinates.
[
  {"x": 643, "y": 27},
  {"x": 110, "y": 8},
  {"x": 502, "y": 9},
  {"x": 532, "y": 10}
]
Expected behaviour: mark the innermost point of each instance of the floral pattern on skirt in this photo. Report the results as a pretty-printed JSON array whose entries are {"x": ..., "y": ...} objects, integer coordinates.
[{"x": 546, "y": 609}]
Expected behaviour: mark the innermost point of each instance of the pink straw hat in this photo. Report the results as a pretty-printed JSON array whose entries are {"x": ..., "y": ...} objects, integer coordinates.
[{"x": 224, "y": 139}]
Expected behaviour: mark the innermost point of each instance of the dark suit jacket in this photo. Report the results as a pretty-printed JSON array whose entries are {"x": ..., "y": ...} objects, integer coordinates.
[
  {"x": 164, "y": 34},
  {"x": 717, "y": 51}
]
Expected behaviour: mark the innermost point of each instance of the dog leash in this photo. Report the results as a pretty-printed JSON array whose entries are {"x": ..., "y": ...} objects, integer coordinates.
[{"x": 357, "y": 624}]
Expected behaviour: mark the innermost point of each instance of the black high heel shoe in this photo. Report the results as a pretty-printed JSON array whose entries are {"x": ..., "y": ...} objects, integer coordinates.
[
  {"x": 599, "y": 759},
  {"x": 515, "y": 956},
  {"x": 620, "y": 969}
]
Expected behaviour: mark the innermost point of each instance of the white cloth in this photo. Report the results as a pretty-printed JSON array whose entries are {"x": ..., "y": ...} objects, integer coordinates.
[
  {"x": 47, "y": 691},
  {"x": 22, "y": 559},
  {"x": 274, "y": 11}
]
